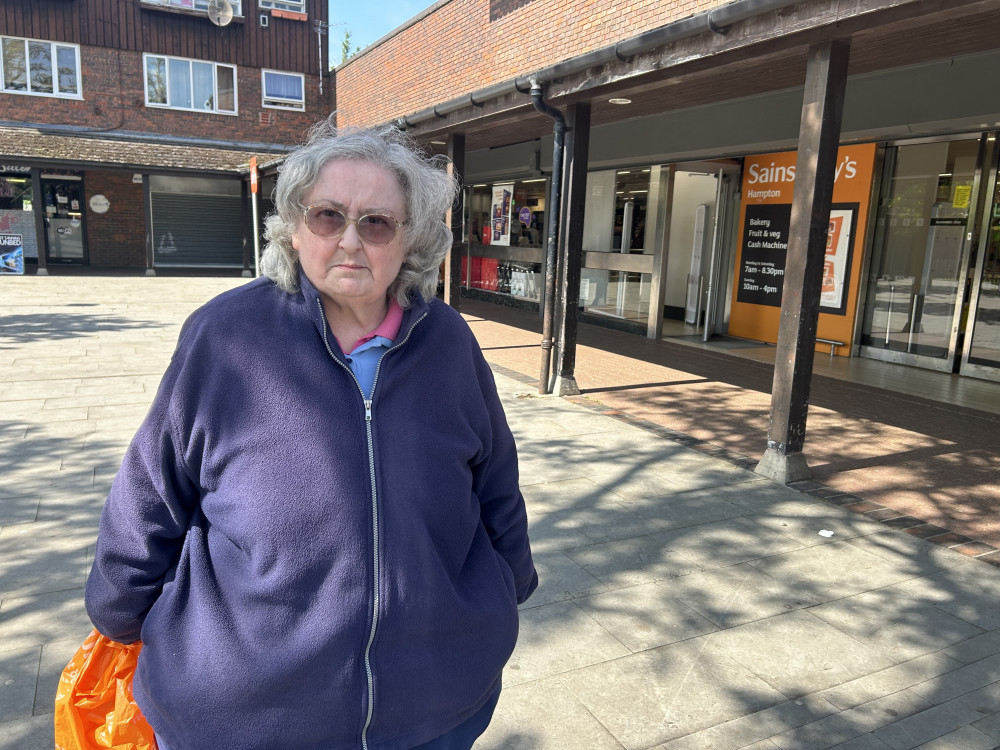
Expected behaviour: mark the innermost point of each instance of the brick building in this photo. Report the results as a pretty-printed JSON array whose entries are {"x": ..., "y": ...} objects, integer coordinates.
[
  {"x": 684, "y": 135},
  {"x": 127, "y": 126}
]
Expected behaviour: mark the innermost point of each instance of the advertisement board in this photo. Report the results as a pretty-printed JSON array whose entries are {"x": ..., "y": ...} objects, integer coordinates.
[
  {"x": 768, "y": 186},
  {"x": 11, "y": 254}
]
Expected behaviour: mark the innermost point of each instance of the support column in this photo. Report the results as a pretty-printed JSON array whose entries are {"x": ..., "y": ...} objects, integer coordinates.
[
  {"x": 41, "y": 233},
  {"x": 819, "y": 136},
  {"x": 571, "y": 251},
  {"x": 248, "y": 216},
  {"x": 147, "y": 210},
  {"x": 453, "y": 263}
]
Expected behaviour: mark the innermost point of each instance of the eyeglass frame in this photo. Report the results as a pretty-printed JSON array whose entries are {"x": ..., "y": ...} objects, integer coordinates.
[{"x": 349, "y": 220}]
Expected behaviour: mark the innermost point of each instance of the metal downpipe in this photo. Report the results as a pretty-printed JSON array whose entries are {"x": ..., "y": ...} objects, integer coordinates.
[{"x": 551, "y": 232}]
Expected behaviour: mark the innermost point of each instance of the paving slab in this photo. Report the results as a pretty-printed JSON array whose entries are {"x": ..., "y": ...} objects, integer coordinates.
[
  {"x": 797, "y": 653},
  {"x": 544, "y": 715},
  {"x": 684, "y": 601}
]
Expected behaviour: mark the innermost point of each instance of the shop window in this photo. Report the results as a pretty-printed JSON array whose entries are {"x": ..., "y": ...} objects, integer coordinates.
[
  {"x": 505, "y": 226},
  {"x": 293, "y": 6},
  {"x": 178, "y": 83},
  {"x": 283, "y": 90},
  {"x": 40, "y": 68},
  {"x": 194, "y": 5},
  {"x": 17, "y": 221},
  {"x": 631, "y": 194}
]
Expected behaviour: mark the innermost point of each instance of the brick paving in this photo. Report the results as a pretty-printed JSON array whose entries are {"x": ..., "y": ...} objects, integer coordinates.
[{"x": 900, "y": 456}]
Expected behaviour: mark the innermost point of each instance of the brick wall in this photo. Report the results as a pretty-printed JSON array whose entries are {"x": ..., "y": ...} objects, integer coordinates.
[
  {"x": 116, "y": 238},
  {"x": 114, "y": 99},
  {"x": 467, "y": 45}
]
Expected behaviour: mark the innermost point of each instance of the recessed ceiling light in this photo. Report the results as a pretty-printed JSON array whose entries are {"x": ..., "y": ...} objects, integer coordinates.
[
  {"x": 439, "y": 143},
  {"x": 619, "y": 100}
]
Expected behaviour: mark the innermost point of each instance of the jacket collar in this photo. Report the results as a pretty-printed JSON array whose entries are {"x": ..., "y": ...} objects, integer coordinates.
[{"x": 314, "y": 306}]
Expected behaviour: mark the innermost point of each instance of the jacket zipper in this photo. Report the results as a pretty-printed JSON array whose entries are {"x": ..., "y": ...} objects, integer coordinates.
[{"x": 371, "y": 472}]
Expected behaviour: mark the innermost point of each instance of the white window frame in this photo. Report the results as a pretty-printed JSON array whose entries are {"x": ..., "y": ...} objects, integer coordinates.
[
  {"x": 216, "y": 67},
  {"x": 201, "y": 5},
  {"x": 54, "y": 48},
  {"x": 276, "y": 102},
  {"x": 294, "y": 6}
]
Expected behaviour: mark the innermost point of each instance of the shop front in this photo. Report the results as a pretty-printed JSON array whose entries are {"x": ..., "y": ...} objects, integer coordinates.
[
  {"x": 933, "y": 297},
  {"x": 59, "y": 196},
  {"x": 638, "y": 223}
]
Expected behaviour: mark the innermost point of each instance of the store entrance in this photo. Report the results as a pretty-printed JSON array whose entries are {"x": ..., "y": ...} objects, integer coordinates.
[
  {"x": 65, "y": 238},
  {"x": 921, "y": 251},
  {"x": 980, "y": 322},
  {"x": 933, "y": 297}
]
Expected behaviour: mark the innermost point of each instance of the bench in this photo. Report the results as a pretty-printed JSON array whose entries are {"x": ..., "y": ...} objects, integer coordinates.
[{"x": 833, "y": 345}]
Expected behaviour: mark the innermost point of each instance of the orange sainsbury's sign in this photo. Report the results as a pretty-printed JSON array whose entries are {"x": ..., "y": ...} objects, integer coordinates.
[{"x": 765, "y": 215}]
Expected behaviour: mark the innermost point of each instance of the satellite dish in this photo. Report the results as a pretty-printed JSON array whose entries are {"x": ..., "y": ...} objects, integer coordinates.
[{"x": 220, "y": 12}]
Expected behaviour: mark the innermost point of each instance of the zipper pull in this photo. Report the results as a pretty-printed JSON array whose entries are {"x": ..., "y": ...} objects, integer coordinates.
[{"x": 368, "y": 410}]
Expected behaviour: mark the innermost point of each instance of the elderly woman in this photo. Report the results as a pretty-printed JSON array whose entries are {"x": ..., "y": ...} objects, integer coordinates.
[{"x": 317, "y": 532}]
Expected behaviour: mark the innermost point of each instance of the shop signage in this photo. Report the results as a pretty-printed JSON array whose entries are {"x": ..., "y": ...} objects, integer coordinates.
[
  {"x": 768, "y": 184},
  {"x": 14, "y": 169},
  {"x": 11, "y": 254},
  {"x": 524, "y": 216},
  {"x": 99, "y": 204}
]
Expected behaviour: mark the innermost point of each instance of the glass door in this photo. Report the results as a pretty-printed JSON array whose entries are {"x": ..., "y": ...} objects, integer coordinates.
[
  {"x": 981, "y": 319},
  {"x": 64, "y": 217},
  {"x": 921, "y": 253}
]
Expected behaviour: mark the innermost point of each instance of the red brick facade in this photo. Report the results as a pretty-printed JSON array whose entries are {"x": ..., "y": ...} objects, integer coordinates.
[
  {"x": 116, "y": 238},
  {"x": 114, "y": 99},
  {"x": 457, "y": 49}
]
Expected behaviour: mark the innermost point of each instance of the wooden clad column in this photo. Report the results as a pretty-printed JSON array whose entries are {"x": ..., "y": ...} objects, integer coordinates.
[
  {"x": 41, "y": 232},
  {"x": 453, "y": 263},
  {"x": 571, "y": 252},
  {"x": 819, "y": 136}
]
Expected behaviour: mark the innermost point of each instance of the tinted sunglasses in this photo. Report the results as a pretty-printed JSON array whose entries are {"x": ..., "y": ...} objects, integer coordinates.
[{"x": 327, "y": 221}]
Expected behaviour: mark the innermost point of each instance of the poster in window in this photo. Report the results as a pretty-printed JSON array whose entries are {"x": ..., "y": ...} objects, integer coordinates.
[
  {"x": 500, "y": 214},
  {"x": 11, "y": 254},
  {"x": 836, "y": 264},
  {"x": 765, "y": 247}
]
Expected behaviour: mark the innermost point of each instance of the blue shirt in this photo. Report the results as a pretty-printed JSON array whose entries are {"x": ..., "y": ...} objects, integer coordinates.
[{"x": 364, "y": 361}]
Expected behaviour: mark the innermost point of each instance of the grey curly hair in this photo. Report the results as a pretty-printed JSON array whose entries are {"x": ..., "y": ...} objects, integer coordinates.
[{"x": 427, "y": 188}]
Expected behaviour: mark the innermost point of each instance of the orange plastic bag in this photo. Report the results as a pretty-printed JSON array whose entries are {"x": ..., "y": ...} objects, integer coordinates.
[{"x": 94, "y": 704}]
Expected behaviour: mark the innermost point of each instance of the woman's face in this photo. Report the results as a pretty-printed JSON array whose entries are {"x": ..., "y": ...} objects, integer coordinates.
[{"x": 347, "y": 270}]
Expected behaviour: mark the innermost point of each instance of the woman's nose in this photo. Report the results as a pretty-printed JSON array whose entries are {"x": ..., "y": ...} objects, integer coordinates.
[{"x": 350, "y": 239}]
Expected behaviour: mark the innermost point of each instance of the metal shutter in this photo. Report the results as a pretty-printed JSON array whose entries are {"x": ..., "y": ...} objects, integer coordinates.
[{"x": 197, "y": 230}]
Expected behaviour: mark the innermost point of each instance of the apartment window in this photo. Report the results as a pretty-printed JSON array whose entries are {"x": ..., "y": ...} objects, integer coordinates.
[
  {"x": 32, "y": 66},
  {"x": 194, "y": 4},
  {"x": 178, "y": 83},
  {"x": 283, "y": 90},
  {"x": 296, "y": 6}
]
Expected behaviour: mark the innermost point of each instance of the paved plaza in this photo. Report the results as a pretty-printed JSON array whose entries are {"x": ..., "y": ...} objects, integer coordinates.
[{"x": 685, "y": 602}]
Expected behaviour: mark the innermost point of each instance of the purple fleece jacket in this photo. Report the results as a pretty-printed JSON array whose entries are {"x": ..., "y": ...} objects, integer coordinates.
[{"x": 305, "y": 569}]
